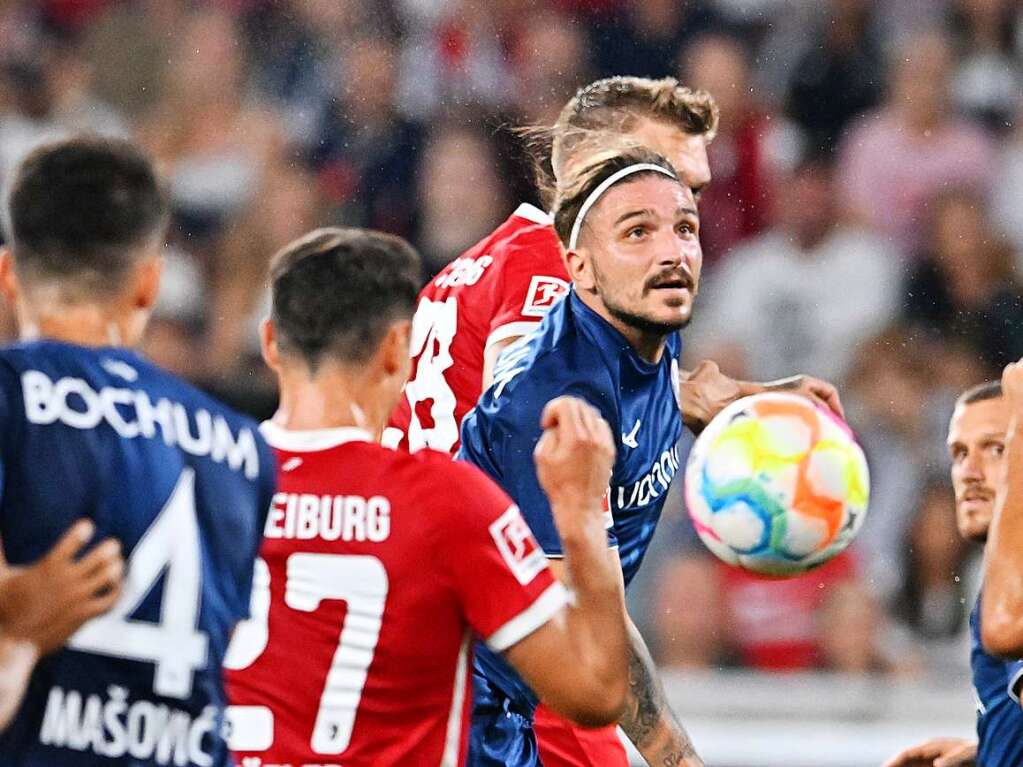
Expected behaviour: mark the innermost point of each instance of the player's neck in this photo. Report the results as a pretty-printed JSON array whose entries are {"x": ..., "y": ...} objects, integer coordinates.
[
  {"x": 648, "y": 344},
  {"x": 85, "y": 325},
  {"x": 330, "y": 400}
]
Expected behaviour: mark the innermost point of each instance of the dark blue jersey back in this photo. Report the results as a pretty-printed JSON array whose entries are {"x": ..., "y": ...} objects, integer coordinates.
[
  {"x": 184, "y": 484},
  {"x": 999, "y": 716},
  {"x": 575, "y": 351}
]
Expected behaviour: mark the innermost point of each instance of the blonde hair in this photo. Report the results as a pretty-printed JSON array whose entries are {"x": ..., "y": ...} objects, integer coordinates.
[{"x": 613, "y": 107}]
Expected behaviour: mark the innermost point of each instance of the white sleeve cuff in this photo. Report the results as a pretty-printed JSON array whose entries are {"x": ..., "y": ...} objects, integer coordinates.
[
  {"x": 529, "y": 620},
  {"x": 510, "y": 330}
]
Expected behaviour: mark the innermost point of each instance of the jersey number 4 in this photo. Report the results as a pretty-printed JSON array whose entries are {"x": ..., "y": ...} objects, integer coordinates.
[
  {"x": 361, "y": 582},
  {"x": 174, "y": 645},
  {"x": 433, "y": 330}
]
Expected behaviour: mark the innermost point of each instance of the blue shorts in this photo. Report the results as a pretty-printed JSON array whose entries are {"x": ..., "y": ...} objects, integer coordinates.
[{"x": 501, "y": 733}]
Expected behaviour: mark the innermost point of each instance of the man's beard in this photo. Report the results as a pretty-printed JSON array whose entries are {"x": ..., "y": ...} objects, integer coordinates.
[{"x": 644, "y": 324}]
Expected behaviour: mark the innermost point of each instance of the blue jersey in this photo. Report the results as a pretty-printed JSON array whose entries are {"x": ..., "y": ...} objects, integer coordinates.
[
  {"x": 184, "y": 484},
  {"x": 999, "y": 715},
  {"x": 574, "y": 351}
]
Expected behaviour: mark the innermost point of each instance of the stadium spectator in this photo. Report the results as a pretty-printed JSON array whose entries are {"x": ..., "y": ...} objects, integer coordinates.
[
  {"x": 923, "y": 145},
  {"x": 1007, "y": 191},
  {"x": 987, "y": 75},
  {"x": 743, "y": 156},
  {"x": 838, "y": 76},
  {"x": 366, "y": 152},
  {"x": 461, "y": 194},
  {"x": 287, "y": 204},
  {"x": 643, "y": 38},
  {"x": 211, "y": 142},
  {"x": 965, "y": 287},
  {"x": 934, "y": 591},
  {"x": 801, "y": 295}
]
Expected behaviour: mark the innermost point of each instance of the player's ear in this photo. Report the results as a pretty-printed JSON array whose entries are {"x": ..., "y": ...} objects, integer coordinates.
[
  {"x": 580, "y": 268},
  {"x": 268, "y": 344},
  {"x": 9, "y": 286},
  {"x": 394, "y": 349},
  {"x": 147, "y": 283}
]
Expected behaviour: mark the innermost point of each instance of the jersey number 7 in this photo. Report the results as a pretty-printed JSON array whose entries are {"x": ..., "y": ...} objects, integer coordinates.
[{"x": 361, "y": 582}]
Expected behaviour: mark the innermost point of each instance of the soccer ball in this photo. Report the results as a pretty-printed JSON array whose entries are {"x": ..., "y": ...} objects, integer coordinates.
[{"x": 776, "y": 485}]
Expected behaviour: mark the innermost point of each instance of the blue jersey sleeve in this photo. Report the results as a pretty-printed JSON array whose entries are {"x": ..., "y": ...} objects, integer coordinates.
[{"x": 501, "y": 434}]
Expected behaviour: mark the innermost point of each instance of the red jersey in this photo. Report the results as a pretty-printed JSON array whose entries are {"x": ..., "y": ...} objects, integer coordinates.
[
  {"x": 377, "y": 569},
  {"x": 500, "y": 288}
]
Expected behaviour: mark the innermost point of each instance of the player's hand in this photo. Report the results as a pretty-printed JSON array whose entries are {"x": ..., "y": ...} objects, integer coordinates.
[
  {"x": 937, "y": 752},
  {"x": 45, "y": 603},
  {"x": 704, "y": 392},
  {"x": 575, "y": 454},
  {"x": 820, "y": 392}
]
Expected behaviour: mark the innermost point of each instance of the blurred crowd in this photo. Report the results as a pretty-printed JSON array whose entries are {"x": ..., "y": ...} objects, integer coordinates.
[{"x": 865, "y": 223}]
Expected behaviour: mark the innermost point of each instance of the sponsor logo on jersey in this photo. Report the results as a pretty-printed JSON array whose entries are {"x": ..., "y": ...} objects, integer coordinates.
[
  {"x": 543, "y": 294},
  {"x": 629, "y": 440},
  {"x": 132, "y": 414},
  {"x": 651, "y": 486},
  {"x": 517, "y": 545}
]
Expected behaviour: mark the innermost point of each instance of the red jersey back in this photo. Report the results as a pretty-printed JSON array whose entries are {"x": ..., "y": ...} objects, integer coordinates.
[
  {"x": 500, "y": 288},
  {"x": 377, "y": 568}
]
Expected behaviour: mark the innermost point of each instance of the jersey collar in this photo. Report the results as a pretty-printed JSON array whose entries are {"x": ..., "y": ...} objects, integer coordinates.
[
  {"x": 611, "y": 342},
  {"x": 310, "y": 440},
  {"x": 534, "y": 214}
]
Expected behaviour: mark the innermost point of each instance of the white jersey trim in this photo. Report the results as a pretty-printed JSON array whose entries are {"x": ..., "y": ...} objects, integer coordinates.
[
  {"x": 453, "y": 734},
  {"x": 1014, "y": 685},
  {"x": 310, "y": 440},
  {"x": 510, "y": 330},
  {"x": 529, "y": 620},
  {"x": 534, "y": 214}
]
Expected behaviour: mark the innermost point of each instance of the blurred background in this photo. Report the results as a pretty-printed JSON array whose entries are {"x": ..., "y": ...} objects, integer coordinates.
[{"x": 865, "y": 224}]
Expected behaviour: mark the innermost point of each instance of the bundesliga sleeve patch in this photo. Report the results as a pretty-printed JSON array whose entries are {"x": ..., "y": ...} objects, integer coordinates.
[
  {"x": 543, "y": 293},
  {"x": 518, "y": 548}
]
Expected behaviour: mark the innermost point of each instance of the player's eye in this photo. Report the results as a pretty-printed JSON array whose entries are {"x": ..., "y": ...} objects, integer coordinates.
[
  {"x": 636, "y": 233},
  {"x": 997, "y": 448},
  {"x": 686, "y": 228}
]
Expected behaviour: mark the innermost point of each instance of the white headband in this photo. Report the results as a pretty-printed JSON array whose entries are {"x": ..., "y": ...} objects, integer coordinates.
[{"x": 606, "y": 184}]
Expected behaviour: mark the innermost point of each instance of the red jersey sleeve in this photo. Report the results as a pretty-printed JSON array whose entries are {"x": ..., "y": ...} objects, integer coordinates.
[
  {"x": 497, "y": 569},
  {"x": 533, "y": 277}
]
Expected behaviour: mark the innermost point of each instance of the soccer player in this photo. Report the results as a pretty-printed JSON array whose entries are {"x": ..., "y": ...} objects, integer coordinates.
[
  {"x": 631, "y": 231},
  {"x": 977, "y": 441},
  {"x": 42, "y": 604},
  {"x": 88, "y": 428},
  {"x": 502, "y": 287},
  {"x": 379, "y": 566}
]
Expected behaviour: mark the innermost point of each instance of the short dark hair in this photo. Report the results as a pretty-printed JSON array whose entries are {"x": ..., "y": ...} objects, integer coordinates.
[
  {"x": 336, "y": 290},
  {"x": 573, "y": 192},
  {"x": 80, "y": 209},
  {"x": 980, "y": 392}
]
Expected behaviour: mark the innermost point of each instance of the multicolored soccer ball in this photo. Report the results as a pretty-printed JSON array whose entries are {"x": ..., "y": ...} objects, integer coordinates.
[{"x": 776, "y": 485}]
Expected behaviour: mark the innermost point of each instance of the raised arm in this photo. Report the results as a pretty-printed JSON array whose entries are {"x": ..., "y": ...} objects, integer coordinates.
[
  {"x": 1001, "y": 602},
  {"x": 706, "y": 391},
  {"x": 577, "y": 662}
]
